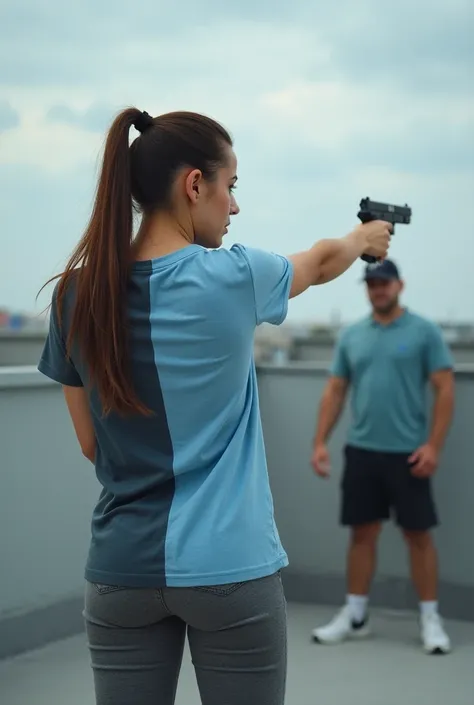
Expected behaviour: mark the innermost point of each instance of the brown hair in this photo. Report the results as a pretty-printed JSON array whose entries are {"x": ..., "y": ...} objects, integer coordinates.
[{"x": 137, "y": 176}]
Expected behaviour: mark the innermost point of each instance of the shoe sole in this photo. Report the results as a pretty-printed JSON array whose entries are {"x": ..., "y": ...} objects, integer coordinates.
[
  {"x": 353, "y": 636},
  {"x": 437, "y": 651}
]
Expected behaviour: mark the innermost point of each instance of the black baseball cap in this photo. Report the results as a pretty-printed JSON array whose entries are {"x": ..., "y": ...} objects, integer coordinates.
[{"x": 386, "y": 270}]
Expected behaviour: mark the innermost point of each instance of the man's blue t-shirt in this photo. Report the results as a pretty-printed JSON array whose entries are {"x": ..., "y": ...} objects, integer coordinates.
[
  {"x": 388, "y": 367},
  {"x": 186, "y": 498}
]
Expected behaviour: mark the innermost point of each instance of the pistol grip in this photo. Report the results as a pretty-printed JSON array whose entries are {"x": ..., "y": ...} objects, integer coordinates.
[
  {"x": 370, "y": 259},
  {"x": 365, "y": 217}
]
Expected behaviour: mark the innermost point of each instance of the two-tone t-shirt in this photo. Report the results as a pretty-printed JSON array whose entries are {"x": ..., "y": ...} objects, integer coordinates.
[{"x": 185, "y": 495}]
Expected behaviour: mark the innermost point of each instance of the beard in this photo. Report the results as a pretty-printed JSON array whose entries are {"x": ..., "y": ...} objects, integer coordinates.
[{"x": 386, "y": 308}]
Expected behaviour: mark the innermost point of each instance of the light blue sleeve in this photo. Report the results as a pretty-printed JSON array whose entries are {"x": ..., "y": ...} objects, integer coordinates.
[
  {"x": 340, "y": 366},
  {"x": 438, "y": 354},
  {"x": 271, "y": 277}
]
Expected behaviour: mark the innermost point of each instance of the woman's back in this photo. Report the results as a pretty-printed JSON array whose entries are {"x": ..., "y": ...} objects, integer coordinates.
[{"x": 185, "y": 498}]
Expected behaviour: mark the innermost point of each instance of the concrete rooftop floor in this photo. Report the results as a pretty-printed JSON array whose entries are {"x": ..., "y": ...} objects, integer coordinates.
[{"x": 388, "y": 669}]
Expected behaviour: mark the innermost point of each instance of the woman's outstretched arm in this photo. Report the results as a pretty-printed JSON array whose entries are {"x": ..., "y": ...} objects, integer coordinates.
[{"x": 328, "y": 259}]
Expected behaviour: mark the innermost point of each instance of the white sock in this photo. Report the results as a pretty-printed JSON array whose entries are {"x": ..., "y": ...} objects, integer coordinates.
[
  {"x": 358, "y": 606},
  {"x": 428, "y": 608}
]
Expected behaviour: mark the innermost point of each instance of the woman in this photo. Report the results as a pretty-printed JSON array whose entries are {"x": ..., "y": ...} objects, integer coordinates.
[{"x": 152, "y": 339}]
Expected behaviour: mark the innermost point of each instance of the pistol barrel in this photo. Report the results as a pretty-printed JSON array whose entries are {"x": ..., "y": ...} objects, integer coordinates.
[{"x": 374, "y": 210}]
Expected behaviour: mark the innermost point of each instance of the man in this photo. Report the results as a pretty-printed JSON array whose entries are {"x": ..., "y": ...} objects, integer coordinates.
[{"x": 392, "y": 452}]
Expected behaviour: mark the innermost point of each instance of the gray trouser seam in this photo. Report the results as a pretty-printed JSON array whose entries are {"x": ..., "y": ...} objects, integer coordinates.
[{"x": 162, "y": 600}]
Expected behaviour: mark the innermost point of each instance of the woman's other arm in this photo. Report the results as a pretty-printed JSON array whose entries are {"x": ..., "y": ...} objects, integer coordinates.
[{"x": 78, "y": 406}]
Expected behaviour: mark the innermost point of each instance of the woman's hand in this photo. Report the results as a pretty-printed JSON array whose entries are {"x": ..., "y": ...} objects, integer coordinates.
[{"x": 376, "y": 236}]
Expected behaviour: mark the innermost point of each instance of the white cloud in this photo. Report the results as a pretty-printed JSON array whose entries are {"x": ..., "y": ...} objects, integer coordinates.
[
  {"x": 54, "y": 148},
  {"x": 330, "y": 113},
  {"x": 278, "y": 85}
]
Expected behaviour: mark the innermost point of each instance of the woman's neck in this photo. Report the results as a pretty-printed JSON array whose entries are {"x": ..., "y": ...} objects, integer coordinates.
[{"x": 160, "y": 234}]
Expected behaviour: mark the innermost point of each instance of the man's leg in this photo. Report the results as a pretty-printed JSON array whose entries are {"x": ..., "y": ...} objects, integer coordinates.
[
  {"x": 424, "y": 564},
  {"x": 417, "y": 515},
  {"x": 361, "y": 561},
  {"x": 364, "y": 506}
]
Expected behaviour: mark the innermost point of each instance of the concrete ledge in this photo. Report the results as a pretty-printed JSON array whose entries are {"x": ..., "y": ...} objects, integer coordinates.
[
  {"x": 32, "y": 630},
  {"x": 28, "y": 376},
  {"x": 24, "y": 334},
  {"x": 23, "y": 377},
  {"x": 318, "y": 369},
  {"x": 456, "y": 601}
]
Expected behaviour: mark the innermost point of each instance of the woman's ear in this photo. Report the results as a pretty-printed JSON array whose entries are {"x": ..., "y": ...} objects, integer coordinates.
[{"x": 193, "y": 185}]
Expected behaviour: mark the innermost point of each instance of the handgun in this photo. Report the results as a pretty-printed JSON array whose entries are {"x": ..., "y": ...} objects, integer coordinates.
[{"x": 371, "y": 210}]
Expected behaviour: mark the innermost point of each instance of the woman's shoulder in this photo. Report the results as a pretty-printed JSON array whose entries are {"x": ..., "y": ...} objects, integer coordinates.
[
  {"x": 245, "y": 261},
  {"x": 227, "y": 264}
]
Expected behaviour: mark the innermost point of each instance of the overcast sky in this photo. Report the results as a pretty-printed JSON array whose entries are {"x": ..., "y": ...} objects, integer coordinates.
[{"x": 326, "y": 104}]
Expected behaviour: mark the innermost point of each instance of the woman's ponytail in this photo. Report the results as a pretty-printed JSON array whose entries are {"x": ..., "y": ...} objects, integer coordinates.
[{"x": 100, "y": 267}]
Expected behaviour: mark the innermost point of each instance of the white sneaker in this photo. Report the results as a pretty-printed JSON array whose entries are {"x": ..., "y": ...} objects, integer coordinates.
[
  {"x": 342, "y": 627},
  {"x": 434, "y": 638}
]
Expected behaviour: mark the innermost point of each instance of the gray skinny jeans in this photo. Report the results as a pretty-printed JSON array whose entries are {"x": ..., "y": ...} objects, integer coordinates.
[{"x": 236, "y": 633}]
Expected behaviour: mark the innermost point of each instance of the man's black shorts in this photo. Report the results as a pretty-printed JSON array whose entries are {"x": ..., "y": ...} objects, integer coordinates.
[{"x": 375, "y": 485}]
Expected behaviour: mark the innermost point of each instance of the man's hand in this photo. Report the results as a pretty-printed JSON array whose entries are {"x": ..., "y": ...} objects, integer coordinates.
[
  {"x": 320, "y": 461},
  {"x": 424, "y": 461}
]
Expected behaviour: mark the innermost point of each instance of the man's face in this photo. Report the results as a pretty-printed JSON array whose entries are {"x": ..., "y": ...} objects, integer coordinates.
[{"x": 384, "y": 294}]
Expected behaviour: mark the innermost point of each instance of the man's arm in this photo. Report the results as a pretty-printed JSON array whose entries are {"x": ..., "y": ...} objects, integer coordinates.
[
  {"x": 439, "y": 367},
  {"x": 330, "y": 408},
  {"x": 442, "y": 382}
]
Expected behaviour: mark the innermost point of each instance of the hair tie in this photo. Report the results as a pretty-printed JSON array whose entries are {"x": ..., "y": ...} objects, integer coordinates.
[{"x": 143, "y": 122}]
